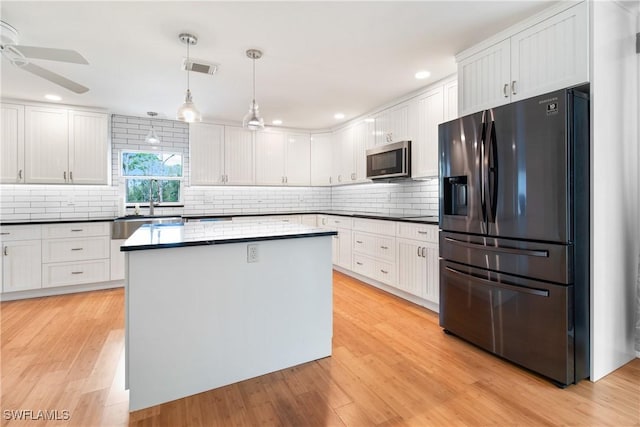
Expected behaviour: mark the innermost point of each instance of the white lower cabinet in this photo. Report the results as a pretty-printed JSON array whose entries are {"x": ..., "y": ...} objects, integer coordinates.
[
  {"x": 117, "y": 260},
  {"x": 21, "y": 258},
  {"x": 417, "y": 250},
  {"x": 74, "y": 273},
  {"x": 341, "y": 244},
  {"x": 374, "y": 249}
]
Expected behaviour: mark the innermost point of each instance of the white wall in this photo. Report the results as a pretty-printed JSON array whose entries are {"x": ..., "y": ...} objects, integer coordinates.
[{"x": 614, "y": 204}]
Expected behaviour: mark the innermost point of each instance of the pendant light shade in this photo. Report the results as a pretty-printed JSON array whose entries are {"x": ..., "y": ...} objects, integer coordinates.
[
  {"x": 188, "y": 111},
  {"x": 152, "y": 137},
  {"x": 252, "y": 119}
]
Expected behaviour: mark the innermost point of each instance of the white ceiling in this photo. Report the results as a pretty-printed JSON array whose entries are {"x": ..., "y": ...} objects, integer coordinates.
[{"x": 319, "y": 57}]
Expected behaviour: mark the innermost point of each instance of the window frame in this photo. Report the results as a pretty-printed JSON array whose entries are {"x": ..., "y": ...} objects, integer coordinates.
[{"x": 180, "y": 179}]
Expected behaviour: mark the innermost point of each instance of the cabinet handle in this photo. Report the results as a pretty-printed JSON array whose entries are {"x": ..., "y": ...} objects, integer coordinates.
[
  {"x": 422, "y": 232},
  {"x": 339, "y": 178},
  {"x": 76, "y": 249},
  {"x": 4, "y": 233},
  {"x": 504, "y": 90},
  {"x": 324, "y": 221},
  {"x": 286, "y": 179},
  {"x": 359, "y": 241},
  {"x": 359, "y": 263},
  {"x": 513, "y": 88},
  {"x": 384, "y": 271},
  {"x": 384, "y": 247},
  {"x": 64, "y": 175},
  {"x": 76, "y": 229},
  {"x": 70, "y": 175},
  {"x": 4, "y": 251},
  {"x": 353, "y": 177},
  {"x": 330, "y": 180},
  {"x": 77, "y": 272},
  {"x": 424, "y": 252},
  {"x": 20, "y": 174}
]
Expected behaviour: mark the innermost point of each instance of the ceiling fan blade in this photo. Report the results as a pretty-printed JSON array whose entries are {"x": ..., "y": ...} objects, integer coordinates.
[
  {"x": 55, "y": 78},
  {"x": 51, "y": 54}
]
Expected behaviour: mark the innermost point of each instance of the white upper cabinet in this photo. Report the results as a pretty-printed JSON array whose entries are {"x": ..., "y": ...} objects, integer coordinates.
[
  {"x": 392, "y": 124},
  {"x": 343, "y": 157},
  {"x": 239, "y": 160},
  {"x": 424, "y": 148},
  {"x": 46, "y": 145},
  {"x": 298, "y": 159},
  {"x": 550, "y": 55},
  {"x": 206, "y": 150},
  {"x": 65, "y": 146},
  {"x": 321, "y": 159},
  {"x": 546, "y": 56},
  {"x": 282, "y": 159},
  {"x": 483, "y": 78},
  {"x": 451, "y": 100},
  {"x": 12, "y": 144},
  {"x": 221, "y": 155},
  {"x": 88, "y": 147},
  {"x": 363, "y": 139}
]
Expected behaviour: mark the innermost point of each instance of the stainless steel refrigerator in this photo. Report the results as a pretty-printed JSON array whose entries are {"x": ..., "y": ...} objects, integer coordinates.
[{"x": 514, "y": 232}]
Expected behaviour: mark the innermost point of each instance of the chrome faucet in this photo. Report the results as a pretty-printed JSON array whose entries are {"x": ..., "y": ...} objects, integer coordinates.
[{"x": 151, "y": 203}]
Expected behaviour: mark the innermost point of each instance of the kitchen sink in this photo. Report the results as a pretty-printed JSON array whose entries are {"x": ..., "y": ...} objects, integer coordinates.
[{"x": 124, "y": 227}]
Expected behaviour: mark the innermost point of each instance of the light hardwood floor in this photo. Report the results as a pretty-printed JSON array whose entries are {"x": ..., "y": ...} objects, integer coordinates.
[{"x": 391, "y": 366}]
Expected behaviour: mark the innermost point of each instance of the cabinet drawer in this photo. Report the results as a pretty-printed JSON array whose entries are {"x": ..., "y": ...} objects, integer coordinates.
[
  {"x": 9, "y": 233},
  {"x": 363, "y": 265},
  {"x": 375, "y": 245},
  {"x": 339, "y": 222},
  {"x": 387, "y": 228},
  {"x": 60, "y": 250},
  {"x": 75, "y": 273},
  {"x": 385, "y": 272},
  {"x": 422, "y": 232},
  {"x": 80, "y": 229}
]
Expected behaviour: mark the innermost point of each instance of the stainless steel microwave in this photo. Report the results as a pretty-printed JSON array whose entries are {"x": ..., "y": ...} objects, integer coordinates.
[{"x": 389, "y": 161}]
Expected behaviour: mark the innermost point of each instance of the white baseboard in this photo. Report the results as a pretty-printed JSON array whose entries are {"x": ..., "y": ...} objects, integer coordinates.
[{"x": 47, "y": 292}]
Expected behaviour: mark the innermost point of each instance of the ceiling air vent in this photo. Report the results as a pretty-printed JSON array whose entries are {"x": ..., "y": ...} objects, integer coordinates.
[{"x": 199, "y": 66}]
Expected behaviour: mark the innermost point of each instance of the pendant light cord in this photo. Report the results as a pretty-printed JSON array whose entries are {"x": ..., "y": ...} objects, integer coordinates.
[
  {"x": 187, "y": 66},
  {"x": 254, "y": 80}
]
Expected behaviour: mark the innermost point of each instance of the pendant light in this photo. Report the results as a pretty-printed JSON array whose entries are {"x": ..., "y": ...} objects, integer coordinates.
[
  {"x": 152, "y": 137},
  {"x": 252, "y": 119},
  {"x": 188, "y": 111}
]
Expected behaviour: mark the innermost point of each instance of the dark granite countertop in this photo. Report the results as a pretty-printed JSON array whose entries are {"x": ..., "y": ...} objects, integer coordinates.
[{"x": 214, "y": 233}]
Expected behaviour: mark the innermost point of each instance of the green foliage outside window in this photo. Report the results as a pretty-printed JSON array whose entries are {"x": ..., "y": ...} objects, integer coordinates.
[{"x": 162, "y": 171}]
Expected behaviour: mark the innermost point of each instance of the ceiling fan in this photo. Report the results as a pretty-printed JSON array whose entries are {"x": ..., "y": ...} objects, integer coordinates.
[{"x": 20, "y": 56}]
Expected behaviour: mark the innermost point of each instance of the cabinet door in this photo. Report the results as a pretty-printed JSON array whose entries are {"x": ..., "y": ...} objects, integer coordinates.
[
  {"x": 321, "y": 158},
  {"x": 270, "y": 154},
  {"x": 451, "y": 101},
  {"x": 432, "y": 290},
  {"x": 483, "y": 79},
  {"x": 46, "y": 145},
  {"x": 239, "y": 164},
  {"x": 412, "y": 267},
  {"x": 206, "y": 150},
  {"x": 117, "y": 260},
  {"x": 363, "y": 139},
  {"x": 345, "y": 248},
  {"x": 12, "y": 144},
  {"x": 21, "y": 266},
  {"x": 343, "y": 155},
  {"x": 424, "y": 149},
  {"x": 392, "y": 125},
  {"x": 298, "y": 159},
  {"x": 88, "y": 147},
  {"x": 550, "y": 55}
]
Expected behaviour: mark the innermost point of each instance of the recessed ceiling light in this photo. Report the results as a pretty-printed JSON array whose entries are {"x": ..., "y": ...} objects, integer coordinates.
[
  {"x": 52, "y": 97},
  {"x": 369, "y": 120},
  {"x": 276, "y": 122},
  {"x": 338, "y": 116},
  {"x": 422, "y": 74}
]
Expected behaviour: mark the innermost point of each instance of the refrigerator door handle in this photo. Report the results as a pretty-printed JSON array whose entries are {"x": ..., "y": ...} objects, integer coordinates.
[
  {"x": 503, "y": 249},
  {"x": 481, "y": 171},
  {"x": 492, "y": 172},
  {"x": 504, "y": 285}
]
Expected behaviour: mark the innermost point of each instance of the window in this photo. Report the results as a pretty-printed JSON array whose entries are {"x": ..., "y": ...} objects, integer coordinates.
[{"x": 142, "y": 169}]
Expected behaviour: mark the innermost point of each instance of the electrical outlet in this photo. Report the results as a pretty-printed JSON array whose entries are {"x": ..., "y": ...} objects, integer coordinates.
[{"x": 252, "y": 253}]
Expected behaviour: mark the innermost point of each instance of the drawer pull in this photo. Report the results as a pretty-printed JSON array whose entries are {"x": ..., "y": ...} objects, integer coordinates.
[
  {"x": 77, "y": 249},
  {"x": 76, "y": 229},
  {"x": 359, "y": 263},
  {"x": 4, "y": 233},
  {"x": 384, "y": 271},
  {"x": 422, "y": 232},
  {"x": 77, "y": 272},
  {"x": 359, "y": 241},
  {"x": 384, "y": 247}
]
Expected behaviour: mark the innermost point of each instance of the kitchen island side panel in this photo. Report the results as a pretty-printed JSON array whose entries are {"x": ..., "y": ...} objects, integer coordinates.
[{"x": 202, "y": 317}]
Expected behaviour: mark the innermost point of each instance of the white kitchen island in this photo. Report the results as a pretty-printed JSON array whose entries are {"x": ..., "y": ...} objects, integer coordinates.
[{"x": 200, "y": 316}]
